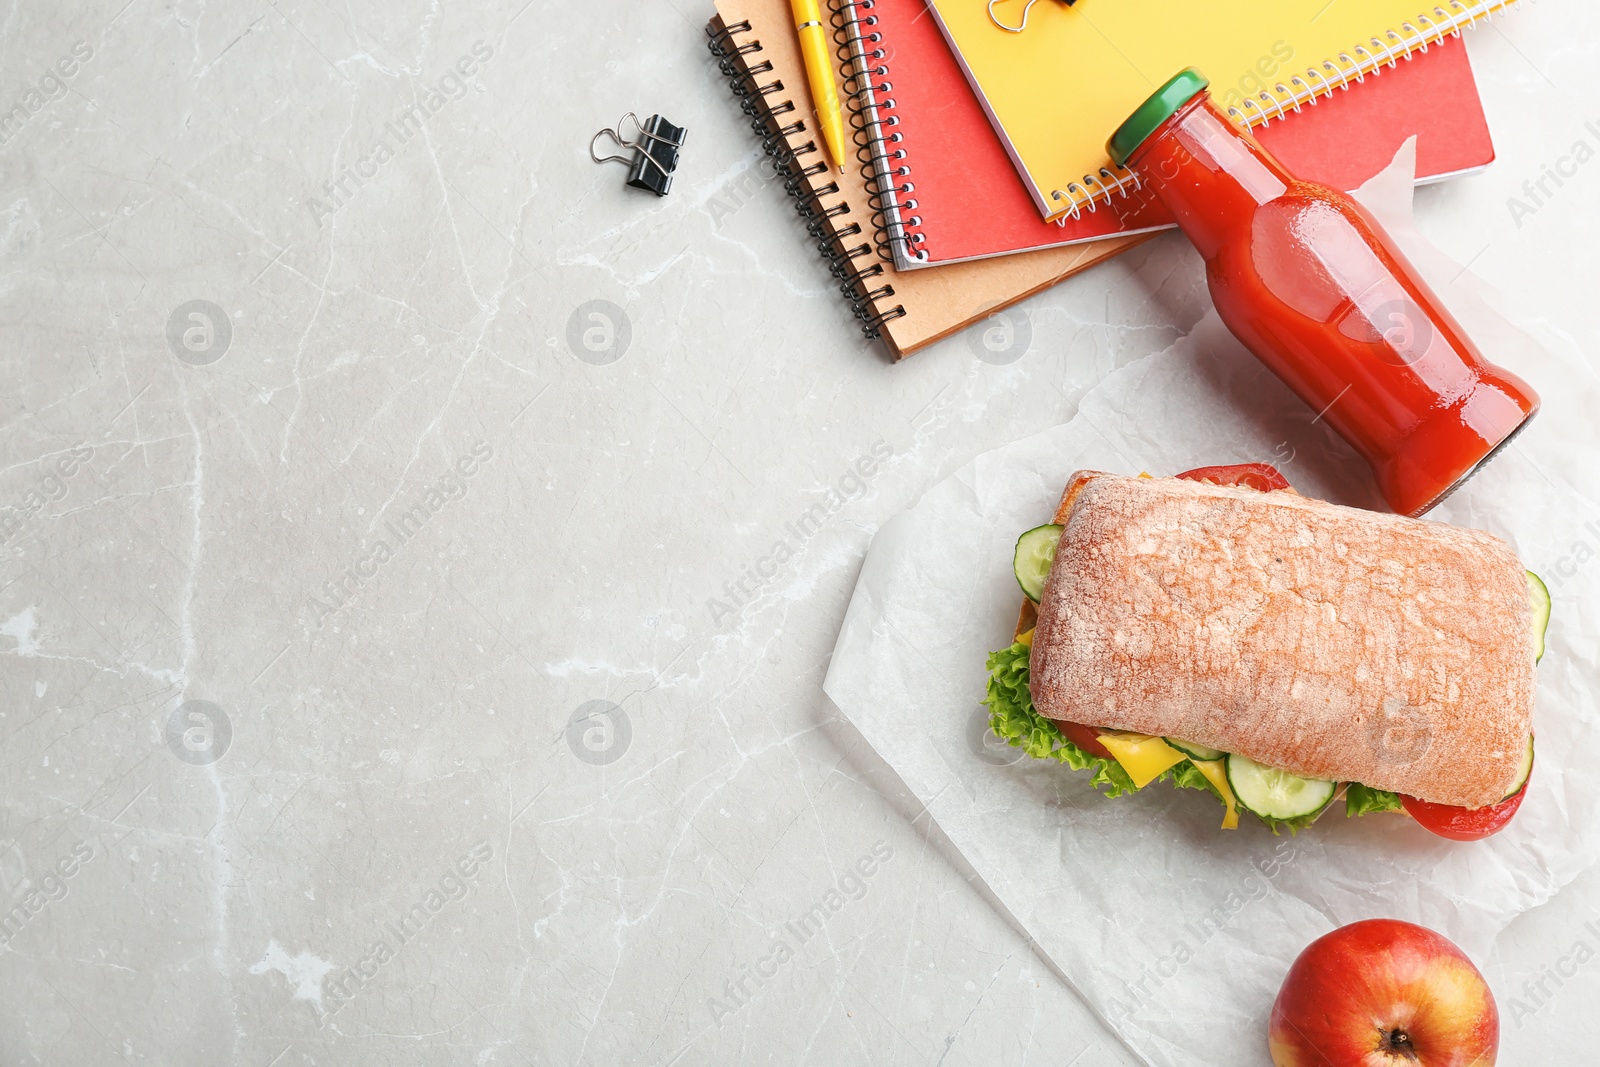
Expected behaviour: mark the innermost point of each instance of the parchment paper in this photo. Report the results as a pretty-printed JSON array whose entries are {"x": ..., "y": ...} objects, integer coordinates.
[{"x": 1177, "y": 933}]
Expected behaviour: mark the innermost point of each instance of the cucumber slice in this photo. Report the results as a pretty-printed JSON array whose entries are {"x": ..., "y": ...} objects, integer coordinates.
[
  {"x": 1275, "y": 794},
  {"x": 1036, "y": 550},
  {"x": 1194, "y": 751},
  {"x": 1524, "y": 769},
  {"x": 1539, "y": 598}
]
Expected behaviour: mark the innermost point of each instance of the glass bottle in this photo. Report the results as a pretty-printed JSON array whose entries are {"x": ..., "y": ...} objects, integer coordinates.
[{"x": 1309, "y": 281}]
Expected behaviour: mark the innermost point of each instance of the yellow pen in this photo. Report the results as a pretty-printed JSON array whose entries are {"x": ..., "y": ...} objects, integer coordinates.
[{"x": 819, "y": 71}]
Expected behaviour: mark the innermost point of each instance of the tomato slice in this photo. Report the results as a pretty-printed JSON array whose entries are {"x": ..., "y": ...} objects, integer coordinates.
[
  {"x": 1085, "y": 737},
  {"x": 1465, "y": 824},
  {"x": 1262, "y": 476}
]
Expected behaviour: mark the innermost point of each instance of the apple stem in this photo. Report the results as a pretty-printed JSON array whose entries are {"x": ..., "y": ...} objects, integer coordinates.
[{"x": 1397, "y": 1040}]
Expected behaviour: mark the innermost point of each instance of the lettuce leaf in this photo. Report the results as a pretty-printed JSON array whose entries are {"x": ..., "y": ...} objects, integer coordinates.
[
  {"x": 1187, "y": 776},
  {"x": 1294, "y": 826},
  {"x": 1013, "y": 717},
  {"x": 1364, "y": 800}
]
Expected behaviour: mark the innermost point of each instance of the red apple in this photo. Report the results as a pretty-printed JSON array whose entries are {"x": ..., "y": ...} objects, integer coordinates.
[{"x": 1384, "y": 993}]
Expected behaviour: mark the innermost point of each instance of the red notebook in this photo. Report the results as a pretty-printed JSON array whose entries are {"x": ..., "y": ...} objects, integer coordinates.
[{"x": 957, "y": 192}]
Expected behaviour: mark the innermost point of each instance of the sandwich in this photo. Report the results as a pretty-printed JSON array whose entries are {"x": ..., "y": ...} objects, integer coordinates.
[{"x": 1219, "y": 631}]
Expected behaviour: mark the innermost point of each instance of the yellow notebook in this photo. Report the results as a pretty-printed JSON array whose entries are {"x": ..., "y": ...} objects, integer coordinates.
[{"x": 1056, "y": 90}]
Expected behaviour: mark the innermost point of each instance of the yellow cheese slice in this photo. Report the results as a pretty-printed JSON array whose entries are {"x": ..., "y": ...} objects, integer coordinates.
[
  {"x": 1026, "y": 639},
  {"x": 1216, "y": 773},
  {"x": 1142, "y": 756}
]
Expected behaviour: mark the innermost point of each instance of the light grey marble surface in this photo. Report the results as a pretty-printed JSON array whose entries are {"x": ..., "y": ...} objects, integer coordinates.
[{"x": 320, "y": 543}]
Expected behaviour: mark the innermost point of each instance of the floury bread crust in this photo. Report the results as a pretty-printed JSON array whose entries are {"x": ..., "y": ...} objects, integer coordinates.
[{"x": 1327, "y": 641}]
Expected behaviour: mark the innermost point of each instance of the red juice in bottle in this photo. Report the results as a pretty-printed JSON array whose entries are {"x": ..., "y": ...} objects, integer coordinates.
[{"x": 1309, "y": 281}]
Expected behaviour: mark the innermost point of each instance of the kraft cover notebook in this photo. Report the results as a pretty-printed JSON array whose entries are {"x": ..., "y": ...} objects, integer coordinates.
[
  {"x": 940, "y": 147},
  {"x": 1055, "y": 91},
  {"x": 757, "y": 50}
]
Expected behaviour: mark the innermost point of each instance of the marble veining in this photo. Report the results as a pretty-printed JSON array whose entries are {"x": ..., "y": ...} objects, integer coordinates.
[{"x": 420, "y": 553}]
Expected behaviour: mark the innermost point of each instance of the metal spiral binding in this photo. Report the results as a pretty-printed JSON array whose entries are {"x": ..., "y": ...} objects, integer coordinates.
[
  {"x": 809, "y": 202},
  {"x": 734, "y": 53},
  {"x": 1307, "y": 89},
  {"x": 866, "y": 93},
  {"x": 1374, "y": 57},
  {"x": 744, "y": 84},
  {"x": 724, "y": 47}
]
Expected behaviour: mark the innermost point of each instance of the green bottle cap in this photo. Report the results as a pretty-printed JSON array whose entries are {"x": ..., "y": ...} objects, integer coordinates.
[{"x": 1162, "y": 105}]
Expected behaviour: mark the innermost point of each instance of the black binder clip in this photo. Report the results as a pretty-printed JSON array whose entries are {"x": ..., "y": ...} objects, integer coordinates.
[{"x": 655, "y": 151}]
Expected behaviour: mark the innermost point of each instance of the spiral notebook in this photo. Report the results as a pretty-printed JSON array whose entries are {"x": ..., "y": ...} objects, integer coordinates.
[
  {"x": 757, "y": 50},
  {"x": 1055, "y": 91},
  {"x": 943, "y": 146}
]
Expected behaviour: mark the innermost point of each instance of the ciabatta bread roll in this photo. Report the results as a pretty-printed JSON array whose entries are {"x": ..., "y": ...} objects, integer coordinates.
[{"x": 1330, "y": 642}]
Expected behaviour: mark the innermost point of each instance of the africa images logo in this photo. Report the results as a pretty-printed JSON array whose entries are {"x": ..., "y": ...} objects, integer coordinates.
[
  {"x": 52, "y": 487},
  {"x": 987, "y": 745},
  {"x": 199, "y": 732},
  {"x": 599, "y": 732},
  {"x": 199, "y": 333},
  {"x": 740, "y": 592},
  {"x": 401, "y": 127},
  {"x": 52, "y": 86},
  {"x": 458, "y": 881},
  {"x": 342, "y": 588},
  {"x": 37, "y": 894},
  {"x": 599, "y": 332},
  {"x": 852, "y": 885}
]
